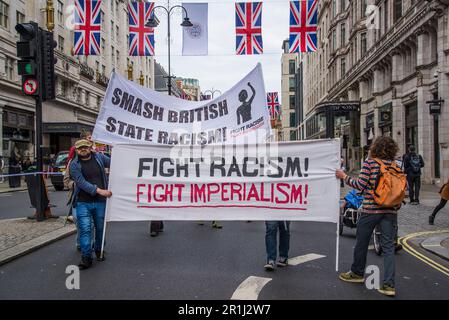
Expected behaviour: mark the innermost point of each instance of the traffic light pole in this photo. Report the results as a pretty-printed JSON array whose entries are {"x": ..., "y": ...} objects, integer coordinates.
[{"x": 40, "y": 211}]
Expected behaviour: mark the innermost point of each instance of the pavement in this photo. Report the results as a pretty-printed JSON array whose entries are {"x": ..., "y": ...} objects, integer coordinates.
[{"x": 21, "y": 236}]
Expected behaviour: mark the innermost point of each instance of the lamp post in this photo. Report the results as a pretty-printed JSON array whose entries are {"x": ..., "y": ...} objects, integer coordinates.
[
  {"x": 153, "y": 23},
  {"x": 212, "y": 92}
]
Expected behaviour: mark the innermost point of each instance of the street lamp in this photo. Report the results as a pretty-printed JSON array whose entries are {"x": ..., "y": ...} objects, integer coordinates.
[
  {"x": 153, "y": 23},
  {"x": 212, "y": 92}
]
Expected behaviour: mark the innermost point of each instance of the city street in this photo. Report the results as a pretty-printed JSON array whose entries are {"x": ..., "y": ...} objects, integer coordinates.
[
  {"x": 189, "y": 261},
  {"x": 330, "y": 115}
]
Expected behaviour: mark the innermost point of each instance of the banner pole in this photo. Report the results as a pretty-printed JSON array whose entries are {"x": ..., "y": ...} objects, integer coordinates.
[
  {"x": 337, "y": 245},
  {"x": 104, "y": 228}
]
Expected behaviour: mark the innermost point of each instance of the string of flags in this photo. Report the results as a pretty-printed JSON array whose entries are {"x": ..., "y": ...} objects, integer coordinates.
[
  {"x": 273, "y": 105},
  {"x": 248, "y": 27}
]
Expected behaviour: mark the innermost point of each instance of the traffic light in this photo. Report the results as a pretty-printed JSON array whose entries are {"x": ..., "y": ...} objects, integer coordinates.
[
  {"x": 28, "y": 49},
  {"x": 48, "y": 65}
]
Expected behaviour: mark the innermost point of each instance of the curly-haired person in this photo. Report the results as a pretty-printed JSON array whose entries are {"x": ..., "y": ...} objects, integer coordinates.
[{"x": 384, "y": 149}]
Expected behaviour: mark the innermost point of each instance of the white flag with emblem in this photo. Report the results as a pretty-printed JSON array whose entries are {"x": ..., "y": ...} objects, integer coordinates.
[{"x": 194, "y": 39}]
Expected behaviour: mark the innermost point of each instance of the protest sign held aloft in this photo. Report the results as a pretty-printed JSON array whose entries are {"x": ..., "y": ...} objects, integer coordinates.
[
  {"x": 133, "y": 114},
  {"x": 285, "y": 181}
]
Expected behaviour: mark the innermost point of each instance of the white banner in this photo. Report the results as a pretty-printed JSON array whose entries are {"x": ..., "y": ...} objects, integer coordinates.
[
  {"x": 285, "y": 181},
  {"x": 134, "y": 114},
  {"x": 195, "y": 39}
]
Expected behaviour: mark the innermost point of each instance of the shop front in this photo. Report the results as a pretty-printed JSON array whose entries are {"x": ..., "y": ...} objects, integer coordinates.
[{"x": 61, "y": 136}]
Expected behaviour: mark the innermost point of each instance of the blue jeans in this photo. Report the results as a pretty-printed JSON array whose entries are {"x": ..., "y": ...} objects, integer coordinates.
[
  {"x": 86, "y": 213},
  {"x": 271, "y": 239},
  {"x": 365, "y": 227}
]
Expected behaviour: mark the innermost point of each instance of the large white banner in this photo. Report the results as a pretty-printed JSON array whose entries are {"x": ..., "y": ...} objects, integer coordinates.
[
  {"x": 285, "y": 181},
  {"x": 195, "y": 38},
  {"x": 134, "y": 114}
]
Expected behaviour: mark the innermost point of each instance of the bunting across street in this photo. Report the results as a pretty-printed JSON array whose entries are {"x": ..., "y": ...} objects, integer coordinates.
[
  {"x": 87, "y": 27},
  {"x": 141, "y": 38},
  {"x": 303, "y": 26},
  {"x": 273, "y": 105},
  {"x": 248, "y": 28}
]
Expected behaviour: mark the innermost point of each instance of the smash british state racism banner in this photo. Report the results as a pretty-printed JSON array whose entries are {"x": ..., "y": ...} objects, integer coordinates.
[
  {"x": 134, "y": 114},
  {"x": 274, "y": 181}
]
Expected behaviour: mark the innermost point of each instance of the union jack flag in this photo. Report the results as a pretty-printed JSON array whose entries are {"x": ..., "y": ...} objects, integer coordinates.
[
  {"x": 273, "y": 105},
  {"x": 303, "y": 26},
  {"x": 141, "y": 38},
  {"x": 87, "y": 27},
  {"x": 248, "y": 28}
]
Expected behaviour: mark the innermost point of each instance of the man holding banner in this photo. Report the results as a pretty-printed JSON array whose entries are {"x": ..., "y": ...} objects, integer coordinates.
[{"x": 88, "y": 171}]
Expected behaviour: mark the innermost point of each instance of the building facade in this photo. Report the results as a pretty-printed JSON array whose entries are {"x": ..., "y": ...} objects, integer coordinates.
[
  {"x": 289, "y": 66},
  {"x": 391, "y": 57},
  {"x": 81, "y": 81}
]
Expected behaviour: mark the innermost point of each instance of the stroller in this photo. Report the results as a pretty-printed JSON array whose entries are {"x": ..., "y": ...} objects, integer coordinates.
[{"x": 350, "y": 210}]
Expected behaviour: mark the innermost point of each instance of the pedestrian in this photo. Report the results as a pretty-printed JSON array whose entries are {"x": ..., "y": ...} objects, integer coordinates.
[
  {"x": 156, "y": 227},
  {"x": 413, "y": 163},
  {"x": 383, "y": 150},
  {"x": 87, "y": 169},
  {"x": 272, "y": 228},
  {"x": 444, "y": 193}
]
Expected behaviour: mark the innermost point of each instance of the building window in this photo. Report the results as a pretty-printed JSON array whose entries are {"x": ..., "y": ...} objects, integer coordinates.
[
  {"x": 292, "y": 67},
  {"x": 116, "y": 7},
  {"x": 103, "y": 69},
  {"x": 334, "y": 41},
  {"x": 102, "y": 20},
  {"x": 60, "y": 12},
  {"x": 291, "y": 84},
  {"x": 292, "y": 102},
  {"x": 343, "y": 34},
  {"x": 9, "y": 68},
  {"x": 118, "y": 57},
  {"x": 334, "y": 8},
  {"x": 4, "y": 14},
  {"x": 103, "y": 44},
  {"x": 292, "y": 135},
  {"x": 20, "y": 17},
  {"x": 97, "y": 66},
  {"x": 117, "y": 33},
  {"x": 363, "y": 8},
  {"x": 363, "y": 43},
  {"x": 113, "y": 54},
  {"x": 112, "y": 30},
  {"x": 343, "y": 67},
  {"x": 292, "y": 120},
  {"x": 342, "y": 5},
  {"x": 397, "y": 10},
  {"x": 60, "y": 43}
]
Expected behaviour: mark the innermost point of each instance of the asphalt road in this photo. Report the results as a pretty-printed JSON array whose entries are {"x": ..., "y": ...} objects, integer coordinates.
[
  {"x": 17, "y": 204},
  {"x": 189, "y": 261}
]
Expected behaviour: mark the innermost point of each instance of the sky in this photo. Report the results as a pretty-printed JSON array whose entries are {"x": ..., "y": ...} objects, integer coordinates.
[{"x": 222, "y": 68}]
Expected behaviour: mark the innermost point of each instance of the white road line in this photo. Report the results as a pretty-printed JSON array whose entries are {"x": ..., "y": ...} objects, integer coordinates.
[
  {"x": 305, "y": 258},
  {"x": 250, "y": 288},
  {"x": 371, "y": 247}
]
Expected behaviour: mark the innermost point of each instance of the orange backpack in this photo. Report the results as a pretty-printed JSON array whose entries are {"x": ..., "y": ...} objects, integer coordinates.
[{"x": 389, "y": 191}]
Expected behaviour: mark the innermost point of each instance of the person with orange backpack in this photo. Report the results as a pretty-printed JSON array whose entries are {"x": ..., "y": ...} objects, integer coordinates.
[{"x": 383, "y": 184}]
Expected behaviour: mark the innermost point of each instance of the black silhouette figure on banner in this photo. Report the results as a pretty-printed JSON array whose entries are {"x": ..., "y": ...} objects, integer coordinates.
[{"x": 244, "y": 111}]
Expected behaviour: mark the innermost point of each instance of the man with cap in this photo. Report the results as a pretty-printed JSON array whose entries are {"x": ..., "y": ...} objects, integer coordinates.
[{"x": 87, "y": 169}]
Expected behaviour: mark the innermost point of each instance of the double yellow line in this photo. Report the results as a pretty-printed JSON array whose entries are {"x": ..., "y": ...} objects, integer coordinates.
[{"x": 420, "y": 256}]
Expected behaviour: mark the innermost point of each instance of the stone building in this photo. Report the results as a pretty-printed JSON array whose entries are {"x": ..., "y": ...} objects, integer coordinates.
[
  {"x": 383, "y": 61},
  {"x": 287, "y": 131},
  {"x": 80, "y": 81}
]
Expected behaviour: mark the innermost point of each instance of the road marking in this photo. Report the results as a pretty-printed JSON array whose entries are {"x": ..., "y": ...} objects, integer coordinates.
[
  {"x": 420, "y": 256},
  {"x": 250, "y": 288},
  {"x": 305, "y": 258}
]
